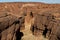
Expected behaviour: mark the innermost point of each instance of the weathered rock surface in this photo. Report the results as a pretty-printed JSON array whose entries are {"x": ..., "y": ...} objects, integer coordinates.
[
  {"x": 47, "y": 25},
  {"x": 10, "y": 27},
  {"x": 29, "y": 21}
]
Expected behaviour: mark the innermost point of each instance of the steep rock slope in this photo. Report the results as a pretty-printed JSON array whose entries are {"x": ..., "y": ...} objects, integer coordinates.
[{"x": 29, "y": 21}]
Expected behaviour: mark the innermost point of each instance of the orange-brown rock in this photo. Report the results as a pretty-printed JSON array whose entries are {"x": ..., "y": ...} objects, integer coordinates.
[{"x": 29, "y": 21}]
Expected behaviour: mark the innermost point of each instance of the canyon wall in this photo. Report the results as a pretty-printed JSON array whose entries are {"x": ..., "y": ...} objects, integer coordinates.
[{"x": 29, "y": 21}]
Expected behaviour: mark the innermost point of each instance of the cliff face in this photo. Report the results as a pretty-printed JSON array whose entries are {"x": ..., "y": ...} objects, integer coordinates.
[{"x": 29, "y": 21}]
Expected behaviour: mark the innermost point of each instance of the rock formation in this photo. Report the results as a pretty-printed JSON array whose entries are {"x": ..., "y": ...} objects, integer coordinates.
[{"x": 29, "y": 21}]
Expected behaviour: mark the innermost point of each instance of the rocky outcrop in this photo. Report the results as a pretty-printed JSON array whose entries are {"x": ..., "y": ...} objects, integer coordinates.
[
  {"x": 10, "y": 27},
  {"x": 29, "y": 21},
  {"x": 47, "y": 25}
]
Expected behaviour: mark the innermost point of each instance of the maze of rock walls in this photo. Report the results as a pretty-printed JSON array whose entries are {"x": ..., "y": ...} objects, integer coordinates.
[{"x": 29, "y": 21}]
